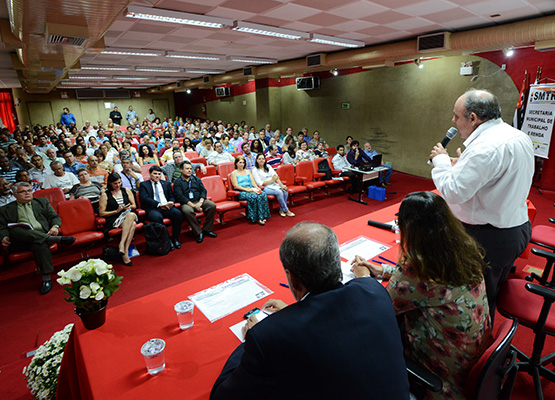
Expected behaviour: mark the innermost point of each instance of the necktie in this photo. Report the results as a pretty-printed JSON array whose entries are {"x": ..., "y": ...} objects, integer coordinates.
[{"x": 156, "y": 193}]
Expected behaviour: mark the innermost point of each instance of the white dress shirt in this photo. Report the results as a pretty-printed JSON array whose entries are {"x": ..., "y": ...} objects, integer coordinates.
[
  {"x": 219, "y": 158},
  {"x": 340, "y": 163},
  {"x": 491, "y": 180},
  {"x": 163, "y": 199}
]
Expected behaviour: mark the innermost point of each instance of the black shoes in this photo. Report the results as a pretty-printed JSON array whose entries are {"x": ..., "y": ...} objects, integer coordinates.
[
  {"x": 67, "y": 240},
  {"x": 200, "y": 238},
  {"x": 46, "y": 285},
  {"x": 176, "y": 243},
  {"x": 210, "y": 234}
]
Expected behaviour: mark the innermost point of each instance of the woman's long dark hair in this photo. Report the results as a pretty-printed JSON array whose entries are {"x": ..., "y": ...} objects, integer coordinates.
[
  {"x": 142, "y": 154},
  {"x": 265, "y": 166},
  {"x": 114, "y": 176},
  {"x": 435, "y": 243}
]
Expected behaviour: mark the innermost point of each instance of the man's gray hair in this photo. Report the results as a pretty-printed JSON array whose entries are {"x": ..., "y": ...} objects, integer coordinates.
[
  {"x": 482, "y": 103},
  {"x": 310, "y": 251},
  {"x": 19, "y": 184},
  {"x": 54, "y": 163}
]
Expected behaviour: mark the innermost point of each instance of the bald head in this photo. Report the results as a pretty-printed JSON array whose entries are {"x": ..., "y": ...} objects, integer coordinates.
[
  {"x": 483, "y": 103},
  {"x": 310, "y": 252}
]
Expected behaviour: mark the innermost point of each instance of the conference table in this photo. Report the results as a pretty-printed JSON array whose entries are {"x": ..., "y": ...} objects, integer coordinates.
[{"x": 106, "y": 363}]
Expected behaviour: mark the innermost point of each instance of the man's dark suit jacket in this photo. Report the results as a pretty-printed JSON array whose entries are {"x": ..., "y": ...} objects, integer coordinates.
[
  {"x": 44, "y": 213},
  {"x": 340, "y": 344},
  {"x": 146, "y": 194}
]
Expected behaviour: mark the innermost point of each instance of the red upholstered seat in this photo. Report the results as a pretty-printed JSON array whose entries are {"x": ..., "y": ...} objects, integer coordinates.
[
  {"x": 226, "y": 168},
  {"x": 328, "y": 182},
  {"x": 515, "y": 301},
  {"x": 54, "y": 196},
  {"x": 216, "y": 190},
  {"x": 210, "y": 171},
  {"x": 232, "y": 193},
  {"x": 286, "y": 174},
  {"x": 78, "y": 220},
  {"x": 191, "y": 154},
  {"x": 27, "y": 255},
  {"x": 117, "y": 231},
  {"x": 544, "y": 235},
  {"x": 197, "y": 159},
  {"x": 336, "y": 172},
  {"x": 305, "y": 174}
]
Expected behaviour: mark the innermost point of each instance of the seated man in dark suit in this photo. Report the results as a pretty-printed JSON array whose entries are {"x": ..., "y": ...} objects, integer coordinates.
[
  {"x": 158, "y": 201},
  {"x": 191, "y": 193},
  {"x": 336, "y": 342},
  {"x": 356, "y": 157},
  {"x": 46, "y": 226}
]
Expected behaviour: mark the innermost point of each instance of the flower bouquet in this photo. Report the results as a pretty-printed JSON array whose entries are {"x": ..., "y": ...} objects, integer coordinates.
[
  {"x": 42, "y": 373},
  {"x": 92, "y": 283}
]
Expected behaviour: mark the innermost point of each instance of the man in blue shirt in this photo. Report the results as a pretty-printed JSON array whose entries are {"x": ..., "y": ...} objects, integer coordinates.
[
  {"x": 131, "y": 115},
  {"x": 67, "y": 118},
  {"x": 71, "y": 165},
  {"x": 386, "y": 175}
]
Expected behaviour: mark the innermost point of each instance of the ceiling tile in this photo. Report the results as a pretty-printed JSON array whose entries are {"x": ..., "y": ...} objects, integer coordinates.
[
  {"x": 395, "y": 36},
  {"x": 153, "y": 27},
  {"x": 467, "y": 22},
  {"x": 133, "y": 43},
  {"x": 207, "y": 2},
  {"x": 324, "y": 19},
  {"x": 495, "y": 7},
  {"x": 410, "y": 23},
  {"x": 385, "y": 17},
  {"x": 259, "y": 40},
  {"x": 291, "y": 12},
  {"x": 148, "y": 36},
  {"x": 328, "y": 31},
  {"x": 123, "y": 24},
  {"x": 426, "y": 7},
  {"x": 354, "y": 25},
  {"x": 449, "y": 15},
  {"x": 377, "y": 30},
  {"x": 112, "y": 34},
  {"x": 323, "y": 5},
  {"x": 260, "y": 19},
  {"x": 465, "y": 3},
  {"x": 301, "y": 26},
  {"x": 354, "y": 36},
  {"x": 194, "y": 32},
  {"x": 426, "y": 29},
  {"x": 228, "y": 35},
  {"x": 176, "y": 39},
  {"x": 229, "y": 13},
  {"x": 516, "y": 13},
  {"x": 251, "y": 6},
  {"x": 358, "y": 10},
  {"x": 184, "y": 6},
  {"x": 543, "y": 5},
  {"x": 394, "y": 4}
]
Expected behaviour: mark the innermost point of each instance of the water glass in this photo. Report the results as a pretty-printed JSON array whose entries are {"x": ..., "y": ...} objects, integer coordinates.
[
  {"x": 184, "y": 311},
  {"x": 153, "y": 352}
]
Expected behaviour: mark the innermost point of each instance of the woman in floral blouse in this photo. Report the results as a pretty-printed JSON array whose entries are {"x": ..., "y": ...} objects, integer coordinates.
[{"x": 438, "y": 287}]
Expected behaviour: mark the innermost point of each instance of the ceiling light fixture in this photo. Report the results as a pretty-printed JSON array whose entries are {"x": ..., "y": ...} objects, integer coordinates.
[
  {"x": 188, "y": 91},
  {"x": 105, "y": 68},
  {"x": 268, "y": 30},
  {"x": 88, "y": 77},
  {"x": 132, "y": 78},
  {"x": 335, "y": 41},
  {"x": 193, "y": 56},
  {"x": 203, "y": 71},
  {"x": 334, "y": 72},
  {"x": 176, "y": 17},
  {"x": 131, "y": 52},
  {"x": 418, "y": 63},
  {"x": 251, "y": 60},
  {"x": 168, "y": 70},
  {"x": 508, "y": 52}
]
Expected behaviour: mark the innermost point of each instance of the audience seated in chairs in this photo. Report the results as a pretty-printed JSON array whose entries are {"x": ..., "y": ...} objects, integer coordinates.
[
  {"x": 158, "y": 200},
  {"x": 438, "y": 287},
  {"x": 46, "y": 226},
  {"x": 257, "y": 202},
  {"x": 191, "y": 193},
  {"x": 147, "y": 156},
  {"x": 87, "y": 189},
  {"x": 116, "y": 205}
]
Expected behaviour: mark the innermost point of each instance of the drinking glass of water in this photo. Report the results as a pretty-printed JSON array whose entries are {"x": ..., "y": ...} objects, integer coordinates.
[
  {"x": 153, "y": 352},
  {"x": 184, "y": 311}
]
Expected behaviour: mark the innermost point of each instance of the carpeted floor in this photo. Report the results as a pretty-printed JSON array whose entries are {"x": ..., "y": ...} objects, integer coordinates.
[{"x": 28, "y": 319}]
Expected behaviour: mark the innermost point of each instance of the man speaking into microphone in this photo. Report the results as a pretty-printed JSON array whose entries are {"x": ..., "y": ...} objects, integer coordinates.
[{"x": 486, "y": 186}]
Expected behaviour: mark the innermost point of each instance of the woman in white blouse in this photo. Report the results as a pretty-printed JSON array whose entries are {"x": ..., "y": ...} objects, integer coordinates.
[
  {"x": 268, "y": 179},
  {"x": 304, "y": 153}
]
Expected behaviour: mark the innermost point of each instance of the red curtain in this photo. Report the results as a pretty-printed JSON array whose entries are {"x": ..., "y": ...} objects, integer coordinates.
[{"x": 7, "y": 110}]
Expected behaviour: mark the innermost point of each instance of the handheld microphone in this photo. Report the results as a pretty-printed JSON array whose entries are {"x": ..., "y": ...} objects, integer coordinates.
[
  {"x": 381, "y": 225},
  {"x": 451, "y": 133}
]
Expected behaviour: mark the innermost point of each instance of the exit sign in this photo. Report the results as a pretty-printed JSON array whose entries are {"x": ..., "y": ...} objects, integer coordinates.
[{"x": 345, "y": 106}]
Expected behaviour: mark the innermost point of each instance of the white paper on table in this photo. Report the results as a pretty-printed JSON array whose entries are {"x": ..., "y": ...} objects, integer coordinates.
[
  {"x": 361, "y": 246},
  {"x": 347, "y": 274},
  {"x": 229, "y": 296},
  {"x": 237, "y": 329}
]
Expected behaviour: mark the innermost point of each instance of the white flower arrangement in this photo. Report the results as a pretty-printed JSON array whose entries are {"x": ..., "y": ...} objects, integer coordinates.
[
  {"x": 92, "y": 283},
  {"x": 42, "y": 373}
]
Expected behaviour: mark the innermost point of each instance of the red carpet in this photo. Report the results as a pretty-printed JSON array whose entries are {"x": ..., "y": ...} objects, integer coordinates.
[{"x": 29, "y": 319}]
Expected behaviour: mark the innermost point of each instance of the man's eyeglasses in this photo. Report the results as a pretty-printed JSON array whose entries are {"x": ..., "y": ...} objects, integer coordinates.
[{"x": 25, "y": 191}]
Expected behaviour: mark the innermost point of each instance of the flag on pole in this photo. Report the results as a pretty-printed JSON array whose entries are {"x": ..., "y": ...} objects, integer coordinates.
[{"x": 521, "y": 104}]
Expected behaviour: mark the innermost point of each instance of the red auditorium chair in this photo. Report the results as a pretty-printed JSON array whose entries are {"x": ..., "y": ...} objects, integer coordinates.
[
  {"x": 197, "y": 159},
  {"x": 144, "y": 171},
  {"x": 210, "y": 171},
  {"x": 305, "y": 175},
  {"x": 54, "y": 196},
  {"x": 530, "y": 305},
  {"x": 22, "y": 256},
  {"x": 78, "y": 220},
  {"x": 216, "y": 190},
  {"x": 320, "y": 175},
  {"x": 237, "y": 153},
  {"x": 191, "y": 154},
  {"x": 225, "y": 168},
  {"x": 336, "y": 172},
  {"x": 331, "y": 151},
  {"x": 180, "y": 141},
  {"x": 286, "y": 174},
  {"x": 544, "y": 235}
]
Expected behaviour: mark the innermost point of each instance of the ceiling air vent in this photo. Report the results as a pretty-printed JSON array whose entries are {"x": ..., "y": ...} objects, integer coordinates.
[
  {"x": 248, "y": 71},
  {"x": 66, "y": 35},
  {"x": 433, "y": 42},
  {"x": 316, "y": 60}
]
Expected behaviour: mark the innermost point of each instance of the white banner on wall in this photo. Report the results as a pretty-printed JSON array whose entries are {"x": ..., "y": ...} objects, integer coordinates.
[{"x": 538, "y": 120}]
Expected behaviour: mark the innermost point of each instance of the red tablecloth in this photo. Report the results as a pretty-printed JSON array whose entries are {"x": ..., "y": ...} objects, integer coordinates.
[{"x": 106, "y": 363}]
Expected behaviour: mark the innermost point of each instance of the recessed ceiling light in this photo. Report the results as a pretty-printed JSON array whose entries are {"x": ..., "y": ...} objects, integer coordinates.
[
  {"x": 168, "y": 70},
  {"x": 176, "y": 17},
  {"x": 105, "y": 68},
  {"x": 194, "y": 56},
  {"x": 252, "y": 60},
  {"x": 203, "y": 71},
  {"x": 132, "y": 52},
  {"x": 335, "y": 41},
  {"x": 268, "y": 30}
]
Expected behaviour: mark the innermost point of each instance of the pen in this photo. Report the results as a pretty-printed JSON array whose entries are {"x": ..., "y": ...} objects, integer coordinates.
[
  {"x": 389, "y": 261},
  {"x": 284, "y": 285},
  {"x": 376, "y": 261}
]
